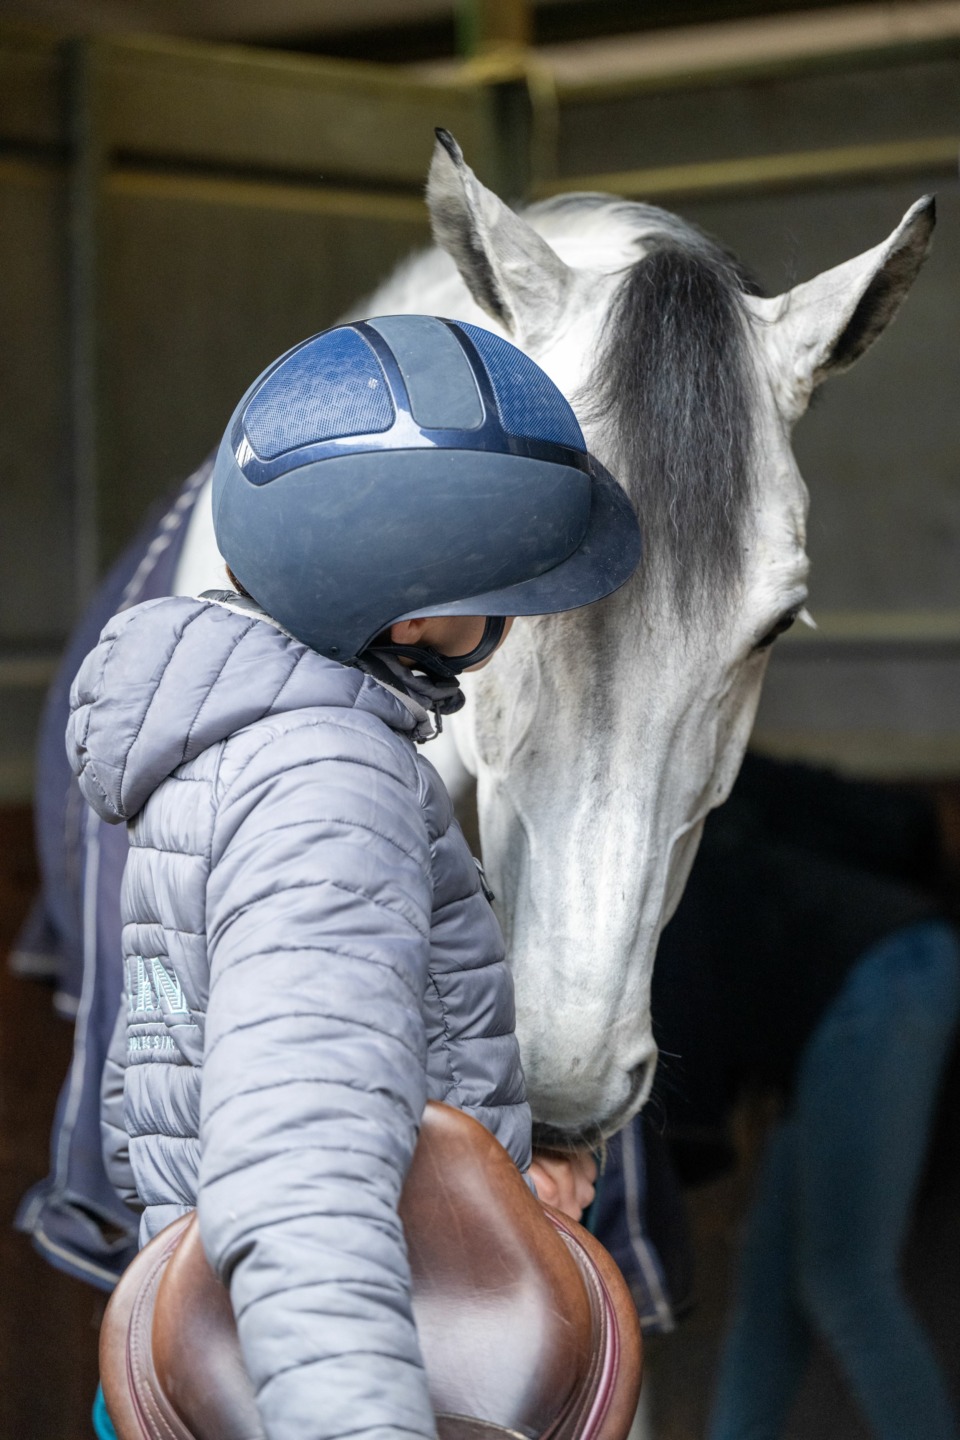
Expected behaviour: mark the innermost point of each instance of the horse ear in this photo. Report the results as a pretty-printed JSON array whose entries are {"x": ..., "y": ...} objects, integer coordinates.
[
  {"x": 823, "y": 326},
  {"x": 509, "y": 270}
]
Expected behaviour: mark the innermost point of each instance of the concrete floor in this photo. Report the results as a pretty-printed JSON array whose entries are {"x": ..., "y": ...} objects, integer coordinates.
[{"x": 49, "y": 1324}]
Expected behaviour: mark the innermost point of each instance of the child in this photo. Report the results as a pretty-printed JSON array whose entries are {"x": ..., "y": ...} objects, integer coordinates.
[{"x": 309, "y": 953}]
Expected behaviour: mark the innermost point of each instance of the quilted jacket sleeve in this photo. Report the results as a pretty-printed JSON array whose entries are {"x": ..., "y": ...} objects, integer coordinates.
[{"x": 318, "y": 918}]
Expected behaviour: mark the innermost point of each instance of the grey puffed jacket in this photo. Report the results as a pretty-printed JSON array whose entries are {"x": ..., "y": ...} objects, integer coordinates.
[{"x": 309, "y": 957}]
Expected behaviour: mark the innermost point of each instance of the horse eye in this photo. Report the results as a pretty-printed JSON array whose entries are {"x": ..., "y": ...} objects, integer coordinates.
[{"x": 782, "y": 625}]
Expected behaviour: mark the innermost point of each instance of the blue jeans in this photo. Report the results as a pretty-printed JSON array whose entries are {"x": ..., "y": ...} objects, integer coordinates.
[{"x": 836, "y": 1190}]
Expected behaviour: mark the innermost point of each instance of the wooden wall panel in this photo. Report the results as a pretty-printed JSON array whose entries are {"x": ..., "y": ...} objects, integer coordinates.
[
  {"x": 226, "y": 202},
  {"x": 171, "y": 218},
  {"x": 36, "y": 561},
  {"x": 875, "y": 691},
  {"x": 206, "y": 283},
  {"x": 877, "y": 710},
  {"x": 20, "y": 707},
  {"x": 32, "y": 108},
  {"x": 223, "y": 106},
  {"x": 766, "y": 115},
  {"x": 880, "y": 447},
  {"x": 797, "y": 169}
]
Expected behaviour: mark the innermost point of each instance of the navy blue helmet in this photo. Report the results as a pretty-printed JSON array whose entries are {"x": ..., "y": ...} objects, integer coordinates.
[{"x": 409, "y": 466}]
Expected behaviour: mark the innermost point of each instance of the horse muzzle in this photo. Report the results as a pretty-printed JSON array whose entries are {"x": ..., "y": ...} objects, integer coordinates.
[{"x": 565, "y": 1122}]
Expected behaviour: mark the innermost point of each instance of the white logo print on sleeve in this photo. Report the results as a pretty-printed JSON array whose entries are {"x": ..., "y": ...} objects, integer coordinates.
[{"x": 154, "y": 988}]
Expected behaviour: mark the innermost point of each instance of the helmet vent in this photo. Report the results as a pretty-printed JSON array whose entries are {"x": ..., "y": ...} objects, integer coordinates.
[
  {"x": 528, "y": 401},
  {"x": 331, "y": 386},
  {"x": 438, "y": 377}
]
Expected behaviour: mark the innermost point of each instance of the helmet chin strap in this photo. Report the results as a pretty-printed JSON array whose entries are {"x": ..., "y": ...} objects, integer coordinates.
[{"x": 436, "y": 685}]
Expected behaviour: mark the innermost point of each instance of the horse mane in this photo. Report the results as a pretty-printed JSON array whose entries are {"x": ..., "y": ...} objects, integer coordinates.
[{"x": 674, "y": 385}]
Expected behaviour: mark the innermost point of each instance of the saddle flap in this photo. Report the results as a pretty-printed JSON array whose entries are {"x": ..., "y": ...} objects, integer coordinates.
[
  {"x": 196, "y": 1351},
  {"x": 502, "y": 1311}
]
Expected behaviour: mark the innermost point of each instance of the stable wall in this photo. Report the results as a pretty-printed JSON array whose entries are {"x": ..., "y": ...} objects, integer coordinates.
[
  {"x": 804, "y": 146},
  {"x": 172, "y": 216}
]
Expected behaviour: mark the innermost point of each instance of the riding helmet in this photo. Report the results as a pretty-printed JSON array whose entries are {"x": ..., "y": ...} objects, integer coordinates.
[{"x": 410, "y": 466}]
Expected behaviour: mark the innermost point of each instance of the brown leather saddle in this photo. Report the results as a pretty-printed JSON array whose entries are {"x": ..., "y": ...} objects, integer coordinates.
[{"x": 525, "y": 1323}]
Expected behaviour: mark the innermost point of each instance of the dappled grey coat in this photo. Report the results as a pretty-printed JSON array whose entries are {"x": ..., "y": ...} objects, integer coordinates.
[{"x": 309, "y": 957}]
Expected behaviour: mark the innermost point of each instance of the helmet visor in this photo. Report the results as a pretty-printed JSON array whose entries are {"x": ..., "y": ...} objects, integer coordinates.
[{"x": 604, "y": 560}]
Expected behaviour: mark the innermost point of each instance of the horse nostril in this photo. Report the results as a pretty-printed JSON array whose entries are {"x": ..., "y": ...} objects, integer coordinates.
[{"x": 641, "y": 1079}]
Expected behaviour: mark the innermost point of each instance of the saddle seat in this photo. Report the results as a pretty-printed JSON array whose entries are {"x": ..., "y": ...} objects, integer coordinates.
[{"x": 526, "y": 1327}]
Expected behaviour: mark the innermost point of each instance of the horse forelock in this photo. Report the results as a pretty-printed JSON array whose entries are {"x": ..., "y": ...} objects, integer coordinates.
[
  {"x": 674, "y": 386},
  {"x": 672, "y": 391}
]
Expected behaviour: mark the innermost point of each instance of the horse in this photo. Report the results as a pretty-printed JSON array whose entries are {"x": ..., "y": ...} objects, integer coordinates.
[{"x": 600, "y": 739}]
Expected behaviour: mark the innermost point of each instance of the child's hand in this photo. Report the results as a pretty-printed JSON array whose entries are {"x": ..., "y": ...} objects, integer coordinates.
[{"x": 565, "y": 1181}]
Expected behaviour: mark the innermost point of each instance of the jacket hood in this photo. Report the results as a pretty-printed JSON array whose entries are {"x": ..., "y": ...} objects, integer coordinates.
[{"x": 173, "y": 676}]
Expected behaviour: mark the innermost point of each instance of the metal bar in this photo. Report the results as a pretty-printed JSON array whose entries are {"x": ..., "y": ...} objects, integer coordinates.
[
  {"x": 493, "y": 25},
  {"x": 28, "y": 672},
  {"x": 733, "y": 51},
  {"x": 174, "y": 185},
  {"x": 247, "y": 110},
  {"x": 36, "y": 171},
  {"x": 878, "y": 754},
  {"x": 512, "y": 116},
  {"x": 761, "y": 47},
  {"x": 879, "y": 627},
  {"x": 747, "y": 174}
]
